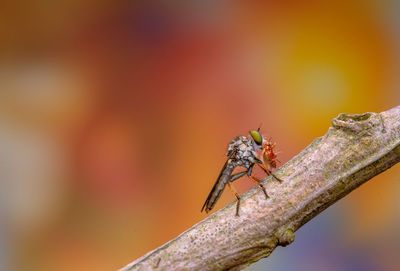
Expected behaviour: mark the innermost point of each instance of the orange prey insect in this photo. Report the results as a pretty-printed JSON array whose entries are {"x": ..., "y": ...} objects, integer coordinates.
[{"x": 269, "y": 158}]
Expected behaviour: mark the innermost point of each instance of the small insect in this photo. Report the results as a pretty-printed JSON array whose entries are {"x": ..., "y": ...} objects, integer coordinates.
[
  {"x": 269, "y": 158},
  {"x": 242, "y": 151}
]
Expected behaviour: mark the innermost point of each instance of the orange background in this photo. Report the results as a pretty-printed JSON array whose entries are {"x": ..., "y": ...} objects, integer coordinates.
[{"x": 114, "y": 122}]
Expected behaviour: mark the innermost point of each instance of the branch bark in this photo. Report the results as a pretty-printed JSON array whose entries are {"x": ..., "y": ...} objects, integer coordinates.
[{"x": 356, "y": 148}]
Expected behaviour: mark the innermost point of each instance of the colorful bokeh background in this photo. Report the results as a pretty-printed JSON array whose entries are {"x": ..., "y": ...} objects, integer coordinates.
[{"x": 115, "y": 117}]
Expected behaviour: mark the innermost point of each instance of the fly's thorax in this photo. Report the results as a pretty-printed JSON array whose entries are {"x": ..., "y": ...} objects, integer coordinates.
[{"x": 242, "y": 151}]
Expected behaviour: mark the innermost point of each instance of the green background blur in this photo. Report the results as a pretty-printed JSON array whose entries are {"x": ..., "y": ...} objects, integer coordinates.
[{"x": 115, "y": 117}]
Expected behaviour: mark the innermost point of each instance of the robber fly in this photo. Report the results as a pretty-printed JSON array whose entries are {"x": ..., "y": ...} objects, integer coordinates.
[{"x": 242, "y": 151}]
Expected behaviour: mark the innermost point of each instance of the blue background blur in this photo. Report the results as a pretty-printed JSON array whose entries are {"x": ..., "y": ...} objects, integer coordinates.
[{"x": 115, "y": 116}]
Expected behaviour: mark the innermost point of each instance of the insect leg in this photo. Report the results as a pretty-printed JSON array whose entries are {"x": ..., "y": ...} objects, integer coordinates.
[
  {"x": 238, "y": 175},
  {"x": 237, "y": 198},
  {"x": 257, "y": 181},
  {"x": 269, "y": 172}
]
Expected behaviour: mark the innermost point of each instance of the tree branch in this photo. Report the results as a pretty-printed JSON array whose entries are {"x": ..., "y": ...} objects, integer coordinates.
[{"x": 355, "y": 149}]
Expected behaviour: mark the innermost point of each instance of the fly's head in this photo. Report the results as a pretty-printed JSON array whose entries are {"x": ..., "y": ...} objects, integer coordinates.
[{"x": 256, "y": 139}]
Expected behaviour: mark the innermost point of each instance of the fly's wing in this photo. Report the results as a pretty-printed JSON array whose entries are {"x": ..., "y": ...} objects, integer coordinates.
[{"x": 219, "y": 186}]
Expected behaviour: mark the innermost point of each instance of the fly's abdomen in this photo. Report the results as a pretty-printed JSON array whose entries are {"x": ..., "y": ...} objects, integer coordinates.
[{"x": 219, "y": 186}]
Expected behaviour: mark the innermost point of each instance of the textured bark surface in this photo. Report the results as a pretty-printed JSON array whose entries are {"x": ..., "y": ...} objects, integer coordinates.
[{"x": 355, "y": 149}]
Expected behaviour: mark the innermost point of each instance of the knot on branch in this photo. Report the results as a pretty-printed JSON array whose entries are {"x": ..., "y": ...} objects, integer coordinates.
[
  {"x": 356, "y": 123},
  {"x": 285, "y": 237}
]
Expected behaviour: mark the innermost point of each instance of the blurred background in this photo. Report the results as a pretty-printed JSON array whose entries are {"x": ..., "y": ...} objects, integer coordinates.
[{"x": 115, "y": 118}]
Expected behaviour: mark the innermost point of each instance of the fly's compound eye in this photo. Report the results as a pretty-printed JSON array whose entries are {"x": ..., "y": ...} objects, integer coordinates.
[{"x": 257, "y": 137}]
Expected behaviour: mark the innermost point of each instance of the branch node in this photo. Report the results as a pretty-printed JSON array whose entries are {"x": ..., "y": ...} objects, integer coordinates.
[
  {"x": 285, "y": 237},
  {"x": 357, "y": 122}
]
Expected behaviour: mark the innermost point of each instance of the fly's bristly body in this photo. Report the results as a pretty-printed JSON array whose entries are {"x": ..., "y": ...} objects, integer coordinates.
[{"x": 242, "y": 152}]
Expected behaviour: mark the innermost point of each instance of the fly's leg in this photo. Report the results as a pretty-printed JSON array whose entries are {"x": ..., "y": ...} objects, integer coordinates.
[
  {"x": 237, "y": 176},
  {"x": 233, "y": 178},
  {"x": 269, "y": 172},
  {"x": 237, "y": 198},
  {"x": 257, "y": 181}
]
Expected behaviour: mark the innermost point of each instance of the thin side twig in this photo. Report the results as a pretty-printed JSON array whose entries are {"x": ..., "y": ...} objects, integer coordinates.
[{"x": 355, "y": 149}]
